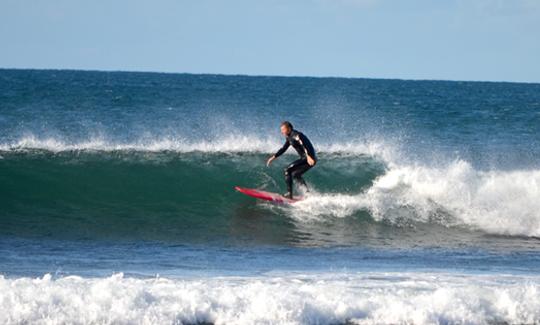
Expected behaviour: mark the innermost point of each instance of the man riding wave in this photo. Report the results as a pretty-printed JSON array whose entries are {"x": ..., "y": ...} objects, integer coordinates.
[{"x": 304, "y": 148}]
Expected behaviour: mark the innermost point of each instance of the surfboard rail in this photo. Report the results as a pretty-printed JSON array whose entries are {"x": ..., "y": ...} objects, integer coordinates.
[{"x": 267, "y": 196}]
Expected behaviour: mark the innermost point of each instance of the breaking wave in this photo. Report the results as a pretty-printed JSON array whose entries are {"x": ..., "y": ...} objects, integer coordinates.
[
  {"x": 366, "y": 298},
  {"x": 351, "y": 178}
]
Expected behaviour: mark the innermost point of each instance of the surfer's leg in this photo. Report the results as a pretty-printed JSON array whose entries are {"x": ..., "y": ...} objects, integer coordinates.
[
  {"x": 299, "y": 179},
  {"x": 290, "y": 172},
  {"x": 299, "y": 171},
  {"x": 288, "y": 181}
]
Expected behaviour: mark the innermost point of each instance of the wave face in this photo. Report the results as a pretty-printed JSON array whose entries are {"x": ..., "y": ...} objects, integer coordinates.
[
  {"x": 153, "y": 195},
  {"x": 155, "y": 156},
  {"x": 371, "y": 298},
  {"x": 189, "y": 195}
]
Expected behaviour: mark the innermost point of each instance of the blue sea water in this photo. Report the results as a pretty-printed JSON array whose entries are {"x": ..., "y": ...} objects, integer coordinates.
[{"x": 117, "y": 202}]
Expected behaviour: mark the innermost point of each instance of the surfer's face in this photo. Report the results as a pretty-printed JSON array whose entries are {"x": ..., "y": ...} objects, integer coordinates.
[{"x": 285, "y": 130}]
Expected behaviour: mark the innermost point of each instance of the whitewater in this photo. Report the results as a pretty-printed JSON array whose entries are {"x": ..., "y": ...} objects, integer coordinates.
[{"x": 368, "y": 298}]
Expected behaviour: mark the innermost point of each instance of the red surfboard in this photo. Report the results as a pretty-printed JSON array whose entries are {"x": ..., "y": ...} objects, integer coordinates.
[{"x": 267, "y": 196}]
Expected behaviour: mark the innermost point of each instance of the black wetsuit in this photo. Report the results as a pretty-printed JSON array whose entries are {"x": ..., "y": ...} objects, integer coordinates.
[{"x": 303, "y": 146}]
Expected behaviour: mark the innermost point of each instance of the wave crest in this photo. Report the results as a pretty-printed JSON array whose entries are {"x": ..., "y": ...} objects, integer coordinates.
[{"x": 232, "y": 143}]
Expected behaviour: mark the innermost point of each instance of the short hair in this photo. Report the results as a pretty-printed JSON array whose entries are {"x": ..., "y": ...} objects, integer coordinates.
[{"x": 287, "y": 123}]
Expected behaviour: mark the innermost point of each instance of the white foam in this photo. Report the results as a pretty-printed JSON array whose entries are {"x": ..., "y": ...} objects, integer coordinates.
[
  {"x": 366, "y": 298},
  {"x": 498, "y": 202},
  {"x": 317, "y": 206}
]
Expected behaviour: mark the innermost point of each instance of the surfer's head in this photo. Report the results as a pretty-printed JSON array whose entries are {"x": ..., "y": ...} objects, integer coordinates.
[{"x": 286, "y": 128}]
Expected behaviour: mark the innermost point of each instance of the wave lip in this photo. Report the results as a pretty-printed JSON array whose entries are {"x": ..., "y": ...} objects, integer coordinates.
[
  {"x": 369, "y": 298},
  {"x": 227, "y": 144},
  {"x": 233, "y": 143}
]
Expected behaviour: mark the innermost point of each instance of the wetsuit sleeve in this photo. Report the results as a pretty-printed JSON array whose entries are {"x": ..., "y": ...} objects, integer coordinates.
[
  {"x": 282, "y": 149},
  {"x": 308, "y": 147}
]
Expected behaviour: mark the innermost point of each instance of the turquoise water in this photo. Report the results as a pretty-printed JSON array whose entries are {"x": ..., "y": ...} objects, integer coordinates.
[{"x": 424, "y": 191}]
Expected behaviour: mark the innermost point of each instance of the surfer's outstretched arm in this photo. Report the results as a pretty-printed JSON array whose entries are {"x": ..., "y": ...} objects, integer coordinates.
[
  {"x": 282, "y": 149},
  {"x": 278, "y": 153}
]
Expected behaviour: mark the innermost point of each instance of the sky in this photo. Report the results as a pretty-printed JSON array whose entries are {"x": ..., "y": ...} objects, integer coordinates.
[{"x": 490, "y": 40}]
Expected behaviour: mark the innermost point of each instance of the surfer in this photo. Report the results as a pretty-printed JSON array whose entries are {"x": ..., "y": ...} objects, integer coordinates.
[{"x": 297, "y": 168}]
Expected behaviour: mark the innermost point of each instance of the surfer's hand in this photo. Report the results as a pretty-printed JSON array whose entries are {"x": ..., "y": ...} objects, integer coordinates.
[
  {"x": 270, "y": 161},
  {"x": 310, "y": 161}
]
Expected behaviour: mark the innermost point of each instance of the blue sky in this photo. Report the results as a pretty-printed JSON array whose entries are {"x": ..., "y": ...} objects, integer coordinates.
[{"x": 408, "y": 39}]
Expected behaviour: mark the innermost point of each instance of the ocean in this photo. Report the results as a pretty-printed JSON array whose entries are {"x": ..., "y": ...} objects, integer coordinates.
[{"x": 117, "y": 200}]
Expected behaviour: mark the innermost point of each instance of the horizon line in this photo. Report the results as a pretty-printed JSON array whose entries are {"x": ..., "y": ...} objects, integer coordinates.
[{"x": 272, "y": 75}]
